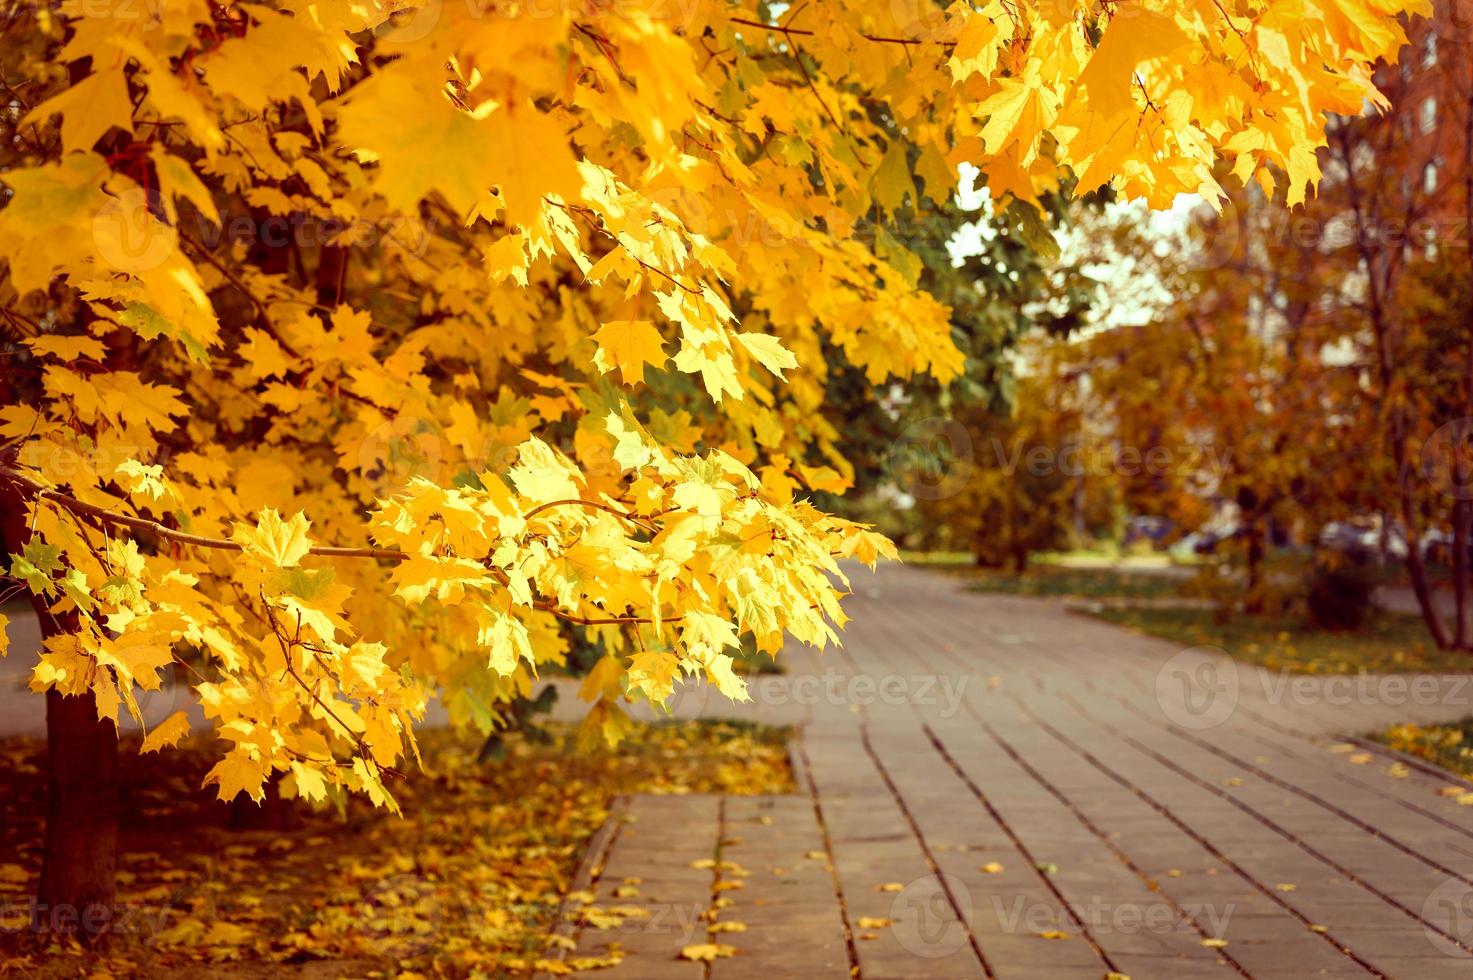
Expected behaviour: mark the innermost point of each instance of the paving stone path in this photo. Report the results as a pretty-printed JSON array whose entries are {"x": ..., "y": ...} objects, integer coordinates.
[{"x": 993, "y": 787}]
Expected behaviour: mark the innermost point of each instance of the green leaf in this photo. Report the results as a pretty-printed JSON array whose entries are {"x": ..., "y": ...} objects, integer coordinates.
[{"x": 1033, "y": 229}]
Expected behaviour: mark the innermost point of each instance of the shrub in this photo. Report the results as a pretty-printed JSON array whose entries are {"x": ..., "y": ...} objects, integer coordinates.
[{"x": 1340, "y": 595}]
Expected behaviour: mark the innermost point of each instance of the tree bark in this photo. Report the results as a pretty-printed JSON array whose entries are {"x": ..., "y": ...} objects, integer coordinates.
[
  {"x": 1020, "y": 556},
  {"x": 1381, "y": 317},
  {"x": 1253, "y": 595},
  {"x": 1417, "y": 572},
  {"x": 78, "y": 888},
  {"x": 1462, "y": 518},
  {"x": 1462, "y": 508}
]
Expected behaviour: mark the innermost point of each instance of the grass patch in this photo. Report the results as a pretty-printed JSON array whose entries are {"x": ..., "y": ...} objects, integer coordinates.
[
  {"x": 1448, "y": 746},
  {"x": 467, "y": 883},
  {"x": 1044, "y": 579},
  {"x": 1388, "y": 645}
]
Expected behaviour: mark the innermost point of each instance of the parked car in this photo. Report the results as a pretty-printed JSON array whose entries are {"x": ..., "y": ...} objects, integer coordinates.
[
  {"x": 1207, "y": 541},
  {"x": 1363, "y": 542},
  {"x": 1152, "y": 529},
  {"x": 1437, "y": 546}
]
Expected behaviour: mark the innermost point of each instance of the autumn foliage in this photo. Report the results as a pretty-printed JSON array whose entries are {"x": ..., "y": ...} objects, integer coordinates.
[{"x": 361, "y": 348}]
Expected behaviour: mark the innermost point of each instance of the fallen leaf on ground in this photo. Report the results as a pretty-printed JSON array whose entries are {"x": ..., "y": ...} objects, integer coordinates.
[{"x": 706, "y": 952}]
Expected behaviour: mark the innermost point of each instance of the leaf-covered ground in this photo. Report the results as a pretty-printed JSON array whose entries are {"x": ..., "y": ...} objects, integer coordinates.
[
  {"x": 1449, "y": 746},
  {"x": 467, "y": 883},
  {"x": 1389, "y": 644}
]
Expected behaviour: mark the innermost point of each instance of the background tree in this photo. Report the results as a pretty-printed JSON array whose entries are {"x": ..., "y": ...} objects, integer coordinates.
[
  {"x": 1009, "y": 488},
  {"x": 1396, "y": 196}
]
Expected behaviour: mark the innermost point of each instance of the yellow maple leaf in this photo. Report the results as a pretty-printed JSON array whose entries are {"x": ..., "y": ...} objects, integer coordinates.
[
  {"x": 542, "y": 474},
  {"x": 542, "y": 165},
  {"x": 420, "y": 140},
  {"x": 628, "y": 345},
  {"x": 239, "y": 772},
  {"x": 768, "y": 351},
  {"x": 281, "y": 543},
  {"x": 91, "y": 107},
  {"x": 167, "y": 733},
  {"x": 706, "y": 952}
]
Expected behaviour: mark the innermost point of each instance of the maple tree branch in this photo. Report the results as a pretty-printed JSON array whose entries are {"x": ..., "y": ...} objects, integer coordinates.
[
  {"x": 263, "y": 318},
  {"x": 606, "y": 49},
  {"x": 286, "y": 644},
  {"x": 796, "y": 52},
  {"x": 262, "y": 313},
  {"x": 635, "y": 519},
  {"x": 775, "y": 28},
  {"x": 16, "y": 319},
  {"x": 789, "y": 32},
  {"x": 588, "y": 215},
  {"x": 108, "y": 517}
]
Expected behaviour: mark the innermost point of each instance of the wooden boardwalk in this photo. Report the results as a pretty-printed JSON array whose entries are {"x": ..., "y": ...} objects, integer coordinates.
[{"x": 992, "y": 787}]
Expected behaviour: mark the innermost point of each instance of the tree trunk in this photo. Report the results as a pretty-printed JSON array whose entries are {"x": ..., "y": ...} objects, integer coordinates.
[
  {"x": 1020, "y": 556},
  {"x": 77, "y": 886},
  {"x": 1417, "y": 572},
  {"x": 78, "y": 889},
  {"x": 1462, "y": 518},
  {"x": 981, "y": 554},
  {"x": 1463, "y": 509},
  {"x": 1253, "y": 596}
]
